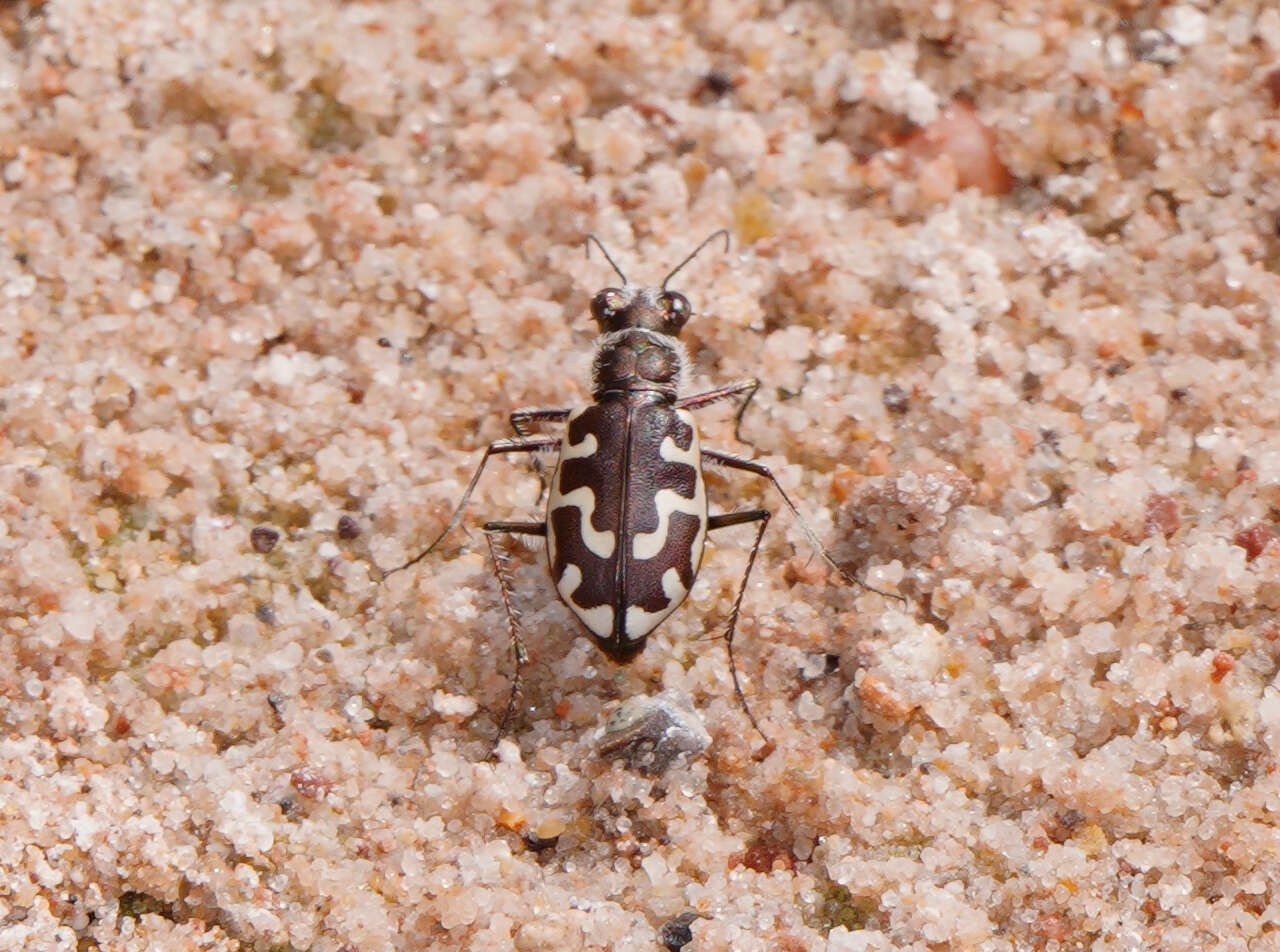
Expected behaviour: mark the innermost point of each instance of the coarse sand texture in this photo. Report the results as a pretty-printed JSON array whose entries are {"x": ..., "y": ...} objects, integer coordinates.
[{"x": 273, "y": 273}]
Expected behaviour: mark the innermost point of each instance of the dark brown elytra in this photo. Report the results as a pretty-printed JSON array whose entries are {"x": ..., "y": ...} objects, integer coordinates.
[{"x": 626, "y": 517}]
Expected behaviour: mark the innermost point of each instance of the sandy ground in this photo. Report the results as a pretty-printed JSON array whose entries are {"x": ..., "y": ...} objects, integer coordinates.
[{"x": 273, "y": 273}]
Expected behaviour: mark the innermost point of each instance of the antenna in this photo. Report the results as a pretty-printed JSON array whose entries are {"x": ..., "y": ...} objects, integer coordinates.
[
  {"x": 706, "y": 241},
  {"x": 605, "y": 252}
]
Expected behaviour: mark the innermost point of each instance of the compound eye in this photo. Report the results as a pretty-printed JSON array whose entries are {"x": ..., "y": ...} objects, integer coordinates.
[
  {"x": 677, "y": 309},
  {"x": 606, "y": 305}
]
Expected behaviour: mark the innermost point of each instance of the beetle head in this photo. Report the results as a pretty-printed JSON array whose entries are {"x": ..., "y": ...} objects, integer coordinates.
[{"x": 650, "y": 309}]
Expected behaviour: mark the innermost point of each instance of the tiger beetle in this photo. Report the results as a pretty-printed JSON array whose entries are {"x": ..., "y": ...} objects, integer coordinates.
[{"x": 626, "y": 517}]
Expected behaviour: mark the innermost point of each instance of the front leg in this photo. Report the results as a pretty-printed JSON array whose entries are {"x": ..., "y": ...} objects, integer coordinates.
[
  {"x": 522, "y": 444},
  {"x": 522, "y": 419},
  {"x": 522, "y": 422},
  {"x": 759, "y": 469},
  {"x": 748, "y": 387}
]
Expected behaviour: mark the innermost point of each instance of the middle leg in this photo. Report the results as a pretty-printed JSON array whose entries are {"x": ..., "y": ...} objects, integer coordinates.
[
  {"x": 717, "y": 458},
  {"x": 523, "y": 444}
]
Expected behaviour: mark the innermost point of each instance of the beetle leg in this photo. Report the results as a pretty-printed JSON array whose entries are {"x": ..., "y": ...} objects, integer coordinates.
[
  {"x": 517, "y": 528},
  {"x": 759, "y": 469},
  {"x": 502, "y": 571},
  {"x": 522, "y": 444},
  {"x": 726, "y": 519},
  {"x": 522, "y": 418},
  {"x": 736, "y": 519},
  {"x": 522, "y": 421},
  {"x": 736, "y": 389}
]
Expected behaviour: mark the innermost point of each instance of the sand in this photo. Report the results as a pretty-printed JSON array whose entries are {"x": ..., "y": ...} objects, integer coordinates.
[{"x": 272, "y": 275}]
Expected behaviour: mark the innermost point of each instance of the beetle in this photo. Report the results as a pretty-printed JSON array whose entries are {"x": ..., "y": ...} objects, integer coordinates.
[{"x": 627, "y": 517}]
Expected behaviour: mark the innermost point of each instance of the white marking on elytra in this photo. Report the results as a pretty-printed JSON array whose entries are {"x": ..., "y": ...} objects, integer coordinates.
[
  {"x": 640, "y": 622},
  {"x": 600, "y": 619},
  {"x": 647, "y": 545},
  {"x": 583, "y": 499}
]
